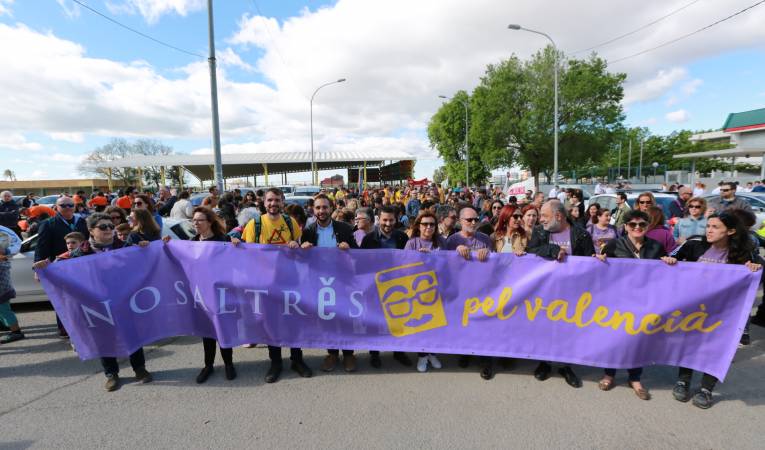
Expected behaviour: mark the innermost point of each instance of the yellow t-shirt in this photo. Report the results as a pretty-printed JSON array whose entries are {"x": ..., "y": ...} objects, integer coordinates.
[{"x": 271, "y": 232}]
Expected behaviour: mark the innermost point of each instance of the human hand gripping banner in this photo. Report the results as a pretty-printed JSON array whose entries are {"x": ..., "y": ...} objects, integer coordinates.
[{"x": 619, "y": 313}]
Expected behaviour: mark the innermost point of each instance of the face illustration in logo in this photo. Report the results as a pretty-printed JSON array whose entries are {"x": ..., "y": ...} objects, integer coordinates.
[{"x": 410, "y": 299}]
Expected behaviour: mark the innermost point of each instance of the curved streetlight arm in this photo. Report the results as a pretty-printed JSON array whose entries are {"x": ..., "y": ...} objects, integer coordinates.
[{"x": 314, "y": 178}]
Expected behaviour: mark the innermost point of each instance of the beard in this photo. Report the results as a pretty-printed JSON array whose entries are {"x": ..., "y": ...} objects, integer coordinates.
[{"x": 553, "y": 226}]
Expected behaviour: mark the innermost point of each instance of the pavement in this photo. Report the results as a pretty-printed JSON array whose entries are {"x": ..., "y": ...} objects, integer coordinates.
[{"x": 51, "y": 399}]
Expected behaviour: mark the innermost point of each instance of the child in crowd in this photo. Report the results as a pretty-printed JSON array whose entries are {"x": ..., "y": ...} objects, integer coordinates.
[
  {"x": 74, "y": 243},
  {"x": 123, "y": 231}
]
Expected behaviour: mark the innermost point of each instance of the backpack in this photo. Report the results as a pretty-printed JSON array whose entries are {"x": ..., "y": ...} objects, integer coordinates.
[{"x": 258, "y": 226}]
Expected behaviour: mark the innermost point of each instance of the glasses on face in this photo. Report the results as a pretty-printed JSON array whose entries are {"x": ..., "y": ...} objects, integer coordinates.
[
  {"x": 517, "y": 216},
  {"x": 725, "y": 190},
  {"x": 428, "y": 224},
  {"x": 66, "y": 205},
  {"x": 637, "y": 225},
  {"x": 496, "y": 207},
  {"x": 645, "y": 202},
  {"x": 116, "y": 217},
  {"x": 694, "y": 206},
  {"x": 471, "y": 219},
  {"x": 138, "y": 204},
  {"x": 198, "y": 220},
  {"x": 105, "y": 226}
]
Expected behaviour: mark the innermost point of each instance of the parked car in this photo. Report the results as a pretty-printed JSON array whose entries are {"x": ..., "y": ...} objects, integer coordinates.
[
  {"x": 28, "y": 290},
  {"x": 197, "y": 199},
  {"x": 287, "y": 190},
  {"x": 297, "y": 200},
  {"x": 608, "y": 201},
  {"x": 755, "y": 199},
  {"x": 48, "y": 200},
  {"x": 308, "y": 191}
]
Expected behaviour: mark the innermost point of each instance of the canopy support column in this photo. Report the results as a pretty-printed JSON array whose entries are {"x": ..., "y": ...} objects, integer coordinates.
[{"x": 265, "y": 172}]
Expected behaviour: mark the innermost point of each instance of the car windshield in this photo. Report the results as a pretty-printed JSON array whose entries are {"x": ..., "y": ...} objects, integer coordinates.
[{"x": 664, "y": 202}]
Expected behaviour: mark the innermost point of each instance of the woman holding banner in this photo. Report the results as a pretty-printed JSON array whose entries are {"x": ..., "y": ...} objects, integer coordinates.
[
  {"x": 726, "y": 242},
  {"x": 509, "y": 234},
  {"x": 634, "y": 244},
  {"x": 210, "y": 229}
]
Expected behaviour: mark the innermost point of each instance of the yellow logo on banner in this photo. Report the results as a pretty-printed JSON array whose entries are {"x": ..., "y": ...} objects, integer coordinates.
[{"x": 410, "y": 299}]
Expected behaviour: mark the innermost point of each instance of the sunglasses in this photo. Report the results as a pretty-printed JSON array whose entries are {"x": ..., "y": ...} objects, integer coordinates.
[
  {"x": 694, "y": 206},
  {"x": 428, "y": 224},
  {"x": 725, "y": 190},
  {"x": 138, "y": 204},
  {"x": 66, "y": 205},
  {"x": 635, "y": 225},
  {"x": 496, "y": 207},
  {"x": 517, "y": 216},
  {"x": 105, "y": 226},
  {"x": 471, "y": 219},
  {"x": 645, "y": 202}
]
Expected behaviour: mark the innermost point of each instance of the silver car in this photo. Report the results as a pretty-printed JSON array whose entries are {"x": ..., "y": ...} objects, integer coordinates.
[{"x": 29, "y": 290}]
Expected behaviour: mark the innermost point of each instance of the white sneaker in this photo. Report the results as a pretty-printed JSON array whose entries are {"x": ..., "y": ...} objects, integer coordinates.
[
  {"x": 434, "y": 361},
  {"x": 422, "y": 364}
]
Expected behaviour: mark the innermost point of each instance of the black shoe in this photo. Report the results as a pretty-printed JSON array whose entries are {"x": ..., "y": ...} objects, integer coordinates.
[
  {"x": 681, "y": 392},
  {"x": 13, "y": 336},
  {"x": 745, "y": 339},
  {"x": 703, "y": 399},
  {"x": 758, "y": 320},
  {"x": 542, "y": 371},
  {"x": 143, "y": 376},
  {"x": 272, "y": 376},
  {"x": 63, "y": 334},
  {"x": 204, "y": 374},
  {"x": 570, "y": 377},
  {"x": 301, "y": 368},
  {"x": 402, "y": 358},
  {"x": 463, "y": 361},
  {"x": 230, "y": 372},
  {"x": 112, "y": 382},
  {"x": 374, "y": 360},
  {"x": 487, "y": 372}
]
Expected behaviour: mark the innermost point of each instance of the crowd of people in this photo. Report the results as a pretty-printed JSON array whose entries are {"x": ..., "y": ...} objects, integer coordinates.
[{"x": 472, "y": 223}]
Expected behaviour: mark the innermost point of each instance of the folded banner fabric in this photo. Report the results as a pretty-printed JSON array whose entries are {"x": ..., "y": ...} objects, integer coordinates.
[{"x": 618, "y": 313}]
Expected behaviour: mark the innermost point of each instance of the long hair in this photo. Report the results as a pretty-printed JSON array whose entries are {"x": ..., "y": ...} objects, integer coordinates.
[
  {"x": 657, "y": 217},
  {"x": 645, "y": 194},
  {"x": 594, "y": 218},
  {"x": 740, "y": 245},
  {"x": 415, "y": 229},
  {"x": 145, "y": 223},
  {"x": 505, "y": 214},
  {"x": 148, "y": 200},
  {"x": 215, "y": 223}
]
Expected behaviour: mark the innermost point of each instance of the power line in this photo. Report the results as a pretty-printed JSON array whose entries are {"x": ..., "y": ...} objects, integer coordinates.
[
  {"x": 637, "y": 29},
  {"x": 136, "y": 31},
  {"x": 689, "y": 34}
]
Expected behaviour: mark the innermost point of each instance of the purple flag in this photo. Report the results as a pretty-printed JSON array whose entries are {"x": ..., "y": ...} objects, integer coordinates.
[{"x": 620, "y": 314}]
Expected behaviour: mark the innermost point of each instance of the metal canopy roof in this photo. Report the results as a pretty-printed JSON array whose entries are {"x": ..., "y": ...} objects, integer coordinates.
[
  {"x": 729, "y": 153},
  {"x": 237, "y": 165}
]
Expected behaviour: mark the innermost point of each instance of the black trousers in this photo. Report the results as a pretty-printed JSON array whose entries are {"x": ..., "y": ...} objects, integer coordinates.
[
  {"x": 275, "y": 354},
  {"x": 377, "y": 353},
  {"x": 334, "y": 351},
  {"x": 137, "y": 362},
  {"x": 633, "y": 374},
  {"x": 708, "y": 382},
  {"x": 209, "y": 345}
]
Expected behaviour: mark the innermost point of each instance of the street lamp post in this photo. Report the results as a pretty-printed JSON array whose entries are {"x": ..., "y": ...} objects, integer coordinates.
[
  {"x": 313, "y": 162},
  {"x": 218, "y": 172},
  {"x": 655, "y": 166},
  {"x": 555, "y": 48},
  {"x": 467, "y": 146}
]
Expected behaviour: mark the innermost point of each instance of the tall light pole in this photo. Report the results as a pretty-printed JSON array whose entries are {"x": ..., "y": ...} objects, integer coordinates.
[
  {"x": 314, "y": 175},
  {"x": 467, "y": 146},
  {"x": 214, "y": 100},
  {"x": 555, "y": 48}
]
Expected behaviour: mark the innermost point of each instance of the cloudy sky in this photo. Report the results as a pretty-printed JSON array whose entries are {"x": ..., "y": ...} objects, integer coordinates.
[{"x": 71, "y": 80}]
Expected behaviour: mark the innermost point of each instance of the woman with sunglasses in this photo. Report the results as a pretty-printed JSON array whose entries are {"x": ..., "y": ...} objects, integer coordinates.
[
  {"x": 145, "y": 229},
  {"x": 726, "y": 241},
  {"x": 117, "y": 215},
  {"x": 530, "y": 218},
  {"x": 645, "y": 201},
  {"x": 210, "y": 229},
  {"x": 425, "y": 238},
  {"x": 142, "y": 201},
  {"x": 634, "y": 244},
  {"x": 693, "y": 225},
  {"x": 509, "y": 235},
  {"x": 101, "y": 229}
]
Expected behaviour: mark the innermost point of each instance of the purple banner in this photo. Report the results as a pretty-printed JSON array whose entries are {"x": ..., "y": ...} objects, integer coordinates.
[{"x": 620, "y": 314}]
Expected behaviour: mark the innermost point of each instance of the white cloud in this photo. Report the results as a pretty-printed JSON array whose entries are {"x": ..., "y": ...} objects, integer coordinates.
[
  {"x": 76, "y": 138},
  {"x": 678, "y": 116},
  {"x": 39, "y": 174},
  {"x": 692, "y": 86},
  {"x": 152, "y": 10},
  {"x": 654, "y": 87},
  {"x": 17, "y": 141},
  {"x": 5, "y": 7},
  {"x": 229, "y": 57},
  {"x": 63, "y": 157},
  {"x": 71, "y": 9}
]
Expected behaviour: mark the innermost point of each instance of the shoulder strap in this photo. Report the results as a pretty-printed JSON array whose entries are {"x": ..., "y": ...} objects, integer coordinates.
[
  {"x": 258, "y": 227},
  {"x": 288, "y": 220}
]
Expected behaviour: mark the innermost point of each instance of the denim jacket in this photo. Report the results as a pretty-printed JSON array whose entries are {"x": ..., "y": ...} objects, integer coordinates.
[{"x": 689, "y": 226}]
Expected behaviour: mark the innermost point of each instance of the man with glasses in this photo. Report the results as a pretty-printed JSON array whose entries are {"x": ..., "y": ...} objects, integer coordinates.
[
  {"x": 328, "y": 233},
  {"x": 678, "y": 208},
  {"x": 447, "y": 220},
  {"x": 727, "y": 200},
  {"x": 364, "y": 222},
  {"x": 51, "y": 241},
  {"x": 556, "y": 238}
]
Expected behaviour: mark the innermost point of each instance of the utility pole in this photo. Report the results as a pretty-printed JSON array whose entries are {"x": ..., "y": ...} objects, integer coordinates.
[
  {"x": 629, "y": 161},
  {"x": 640, "y": 168},
  {"x": 619, "y": 167},
  {"x": 214, "y": 101}
]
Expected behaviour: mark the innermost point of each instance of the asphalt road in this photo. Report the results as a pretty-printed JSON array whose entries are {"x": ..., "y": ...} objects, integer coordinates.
[{"x": 50, "y": 399}]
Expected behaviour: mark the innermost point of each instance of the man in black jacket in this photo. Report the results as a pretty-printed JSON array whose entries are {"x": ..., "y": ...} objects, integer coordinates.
[
  {"x": 325, "y": 232},
  {"x": 556, "y": 238},
  {"x": 386, "y": 236},
  {"x": 9, "y": 212},
  {"x": 51, "y": 242}
]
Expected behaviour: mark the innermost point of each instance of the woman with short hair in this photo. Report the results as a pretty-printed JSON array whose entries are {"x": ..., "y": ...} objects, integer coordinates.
[{"x": 694, "y": 224}]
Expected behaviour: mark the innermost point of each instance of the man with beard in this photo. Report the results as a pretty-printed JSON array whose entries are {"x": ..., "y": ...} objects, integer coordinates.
[
  {"x": 555, "y": 238},
  {"x": 328, "y": 233},
  {"x": 386, "y": 236},
  {"x": 277, "y": 228}
]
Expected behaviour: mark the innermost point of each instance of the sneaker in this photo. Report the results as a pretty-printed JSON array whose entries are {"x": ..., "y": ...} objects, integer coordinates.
[
  {"x": 745, "y": 339},
  {"x": 703, "y": 399},
  {"x": 434, "y": 361},
  {"x": 249, "y": 345},
  {"x": 349, "y": 363},
  {"x": 330, "y": 361},
  {"x": 681, "y": 392},
  {"x": 112, "y": 382},
  {"x": 143, "y": 376},
  {"x": 422, "y": 364},
  {"x": 13, "y": 336}
]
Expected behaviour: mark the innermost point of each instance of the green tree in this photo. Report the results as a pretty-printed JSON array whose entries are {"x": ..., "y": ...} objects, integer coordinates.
[{"x": 439, "y": 175}]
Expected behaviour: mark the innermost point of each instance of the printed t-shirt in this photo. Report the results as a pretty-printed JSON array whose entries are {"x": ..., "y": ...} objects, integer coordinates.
[
  {"x": 562, "y": 239},
  {"x": 714, "y": 256}
]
